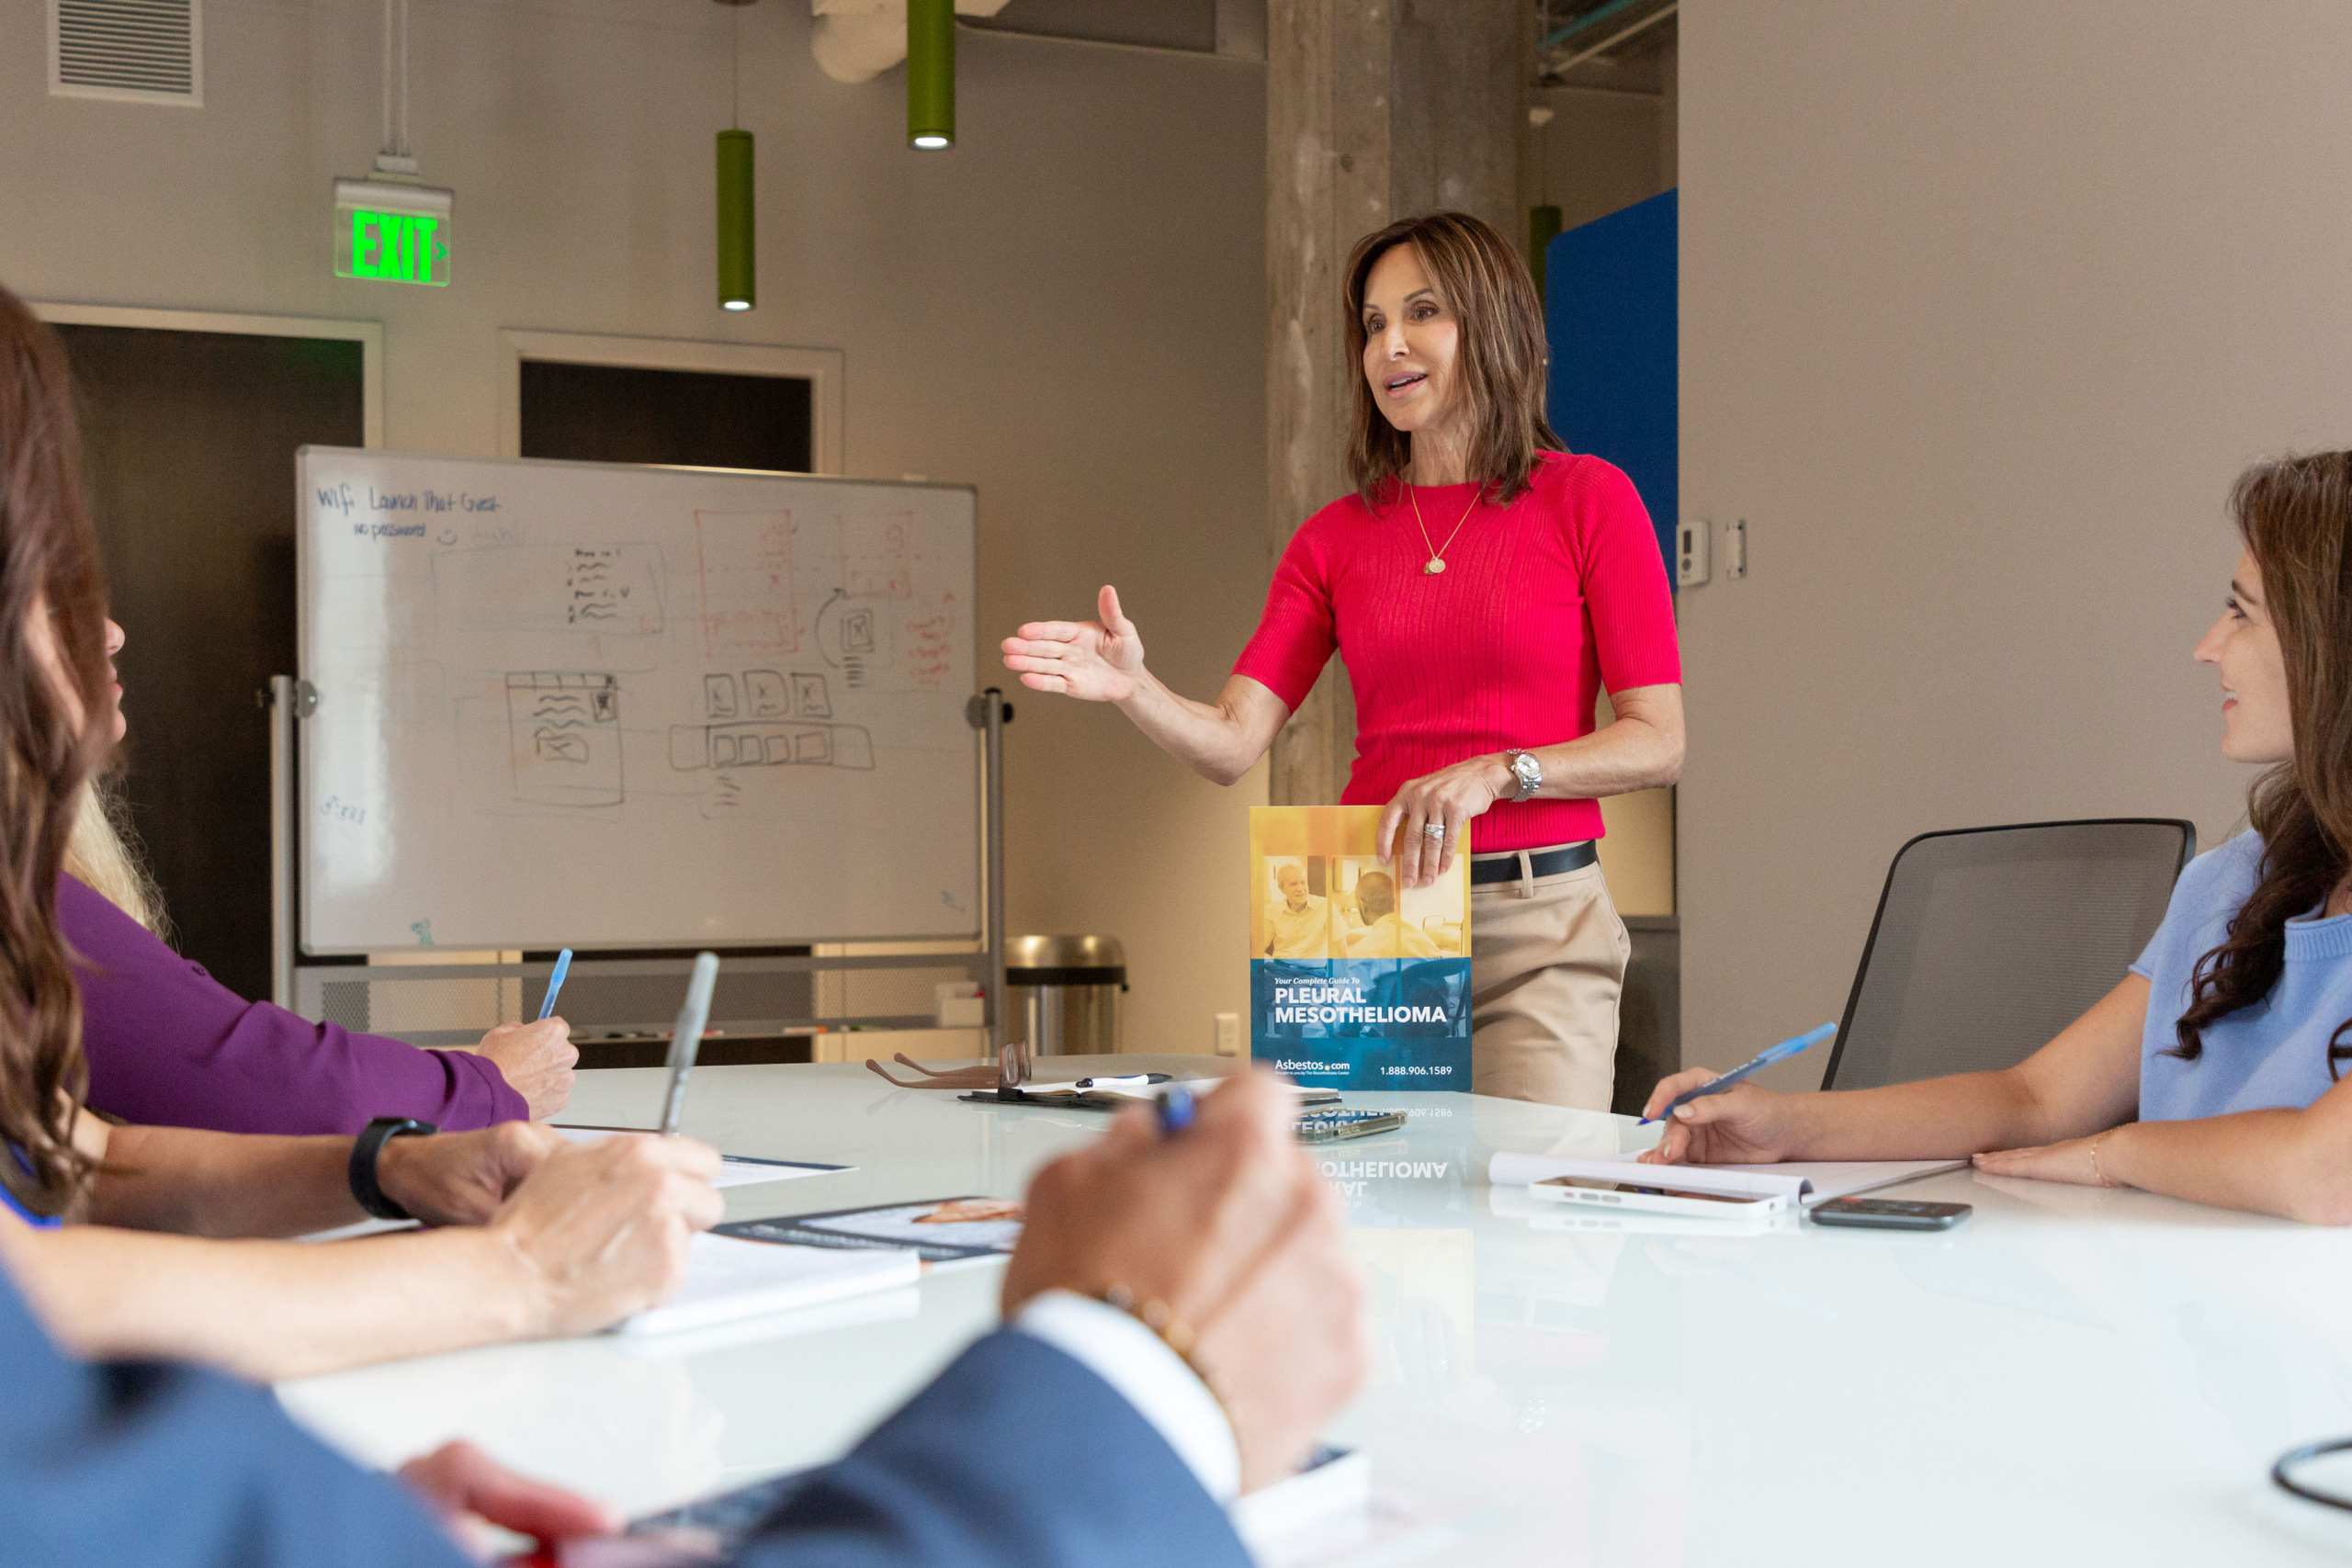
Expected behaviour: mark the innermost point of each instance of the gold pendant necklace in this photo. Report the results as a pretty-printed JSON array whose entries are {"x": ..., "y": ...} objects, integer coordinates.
[{"x": 1436, "y": 563}]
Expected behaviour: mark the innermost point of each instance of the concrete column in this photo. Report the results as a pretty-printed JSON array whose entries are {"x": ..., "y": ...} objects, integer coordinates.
[{"x": 1375, "y": 110}]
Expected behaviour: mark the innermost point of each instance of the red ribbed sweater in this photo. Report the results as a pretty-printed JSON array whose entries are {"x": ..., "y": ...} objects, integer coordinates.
[{"x": 1541, "y": 604}]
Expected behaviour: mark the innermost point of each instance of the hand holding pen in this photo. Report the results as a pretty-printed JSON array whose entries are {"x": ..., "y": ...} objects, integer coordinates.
[
  {"x": 1221, "y": 1224},
  {"x": 1725, "y": 1120},
  {"x": 536, "y": 1059}
]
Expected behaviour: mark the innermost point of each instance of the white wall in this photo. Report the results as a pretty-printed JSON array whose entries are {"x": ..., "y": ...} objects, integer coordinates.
[
  {"x": 1067, "y": 310},
  {"x": 1984, "y": 305}
]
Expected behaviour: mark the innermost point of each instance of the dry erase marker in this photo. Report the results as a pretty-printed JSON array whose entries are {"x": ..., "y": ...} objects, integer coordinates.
[
  {"x": 1740, "y": 1074},
  {"x": 1175, "y": 1109},
  {"x": 686, "y": 1038},
  {"x": 555, "y": 982}
]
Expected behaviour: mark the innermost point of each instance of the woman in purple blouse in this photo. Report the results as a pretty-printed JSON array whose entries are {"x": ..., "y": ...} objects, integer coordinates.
[{"x": 168, "y": 1046}]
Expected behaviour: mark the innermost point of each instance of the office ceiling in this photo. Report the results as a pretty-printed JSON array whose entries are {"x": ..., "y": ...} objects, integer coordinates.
[{"x": 1580, "y": 41}]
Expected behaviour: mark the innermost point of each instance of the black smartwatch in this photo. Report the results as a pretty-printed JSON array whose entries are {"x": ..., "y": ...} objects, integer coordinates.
[{"x": 365, "y": 1151}]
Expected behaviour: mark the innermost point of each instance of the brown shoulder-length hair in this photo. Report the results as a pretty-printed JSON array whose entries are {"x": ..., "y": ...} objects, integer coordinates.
[
  {"x": 1499, "y": 366},
  {"x": 48, "y": 566},
  {"x": 2295, "y": 515}
]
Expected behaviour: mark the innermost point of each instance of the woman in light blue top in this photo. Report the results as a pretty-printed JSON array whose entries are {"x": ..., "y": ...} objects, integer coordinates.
[{"x": 2212, "y": 1072}]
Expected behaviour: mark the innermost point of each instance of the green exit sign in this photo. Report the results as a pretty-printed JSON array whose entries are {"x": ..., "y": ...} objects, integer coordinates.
[{"x": 392, "y": 234}]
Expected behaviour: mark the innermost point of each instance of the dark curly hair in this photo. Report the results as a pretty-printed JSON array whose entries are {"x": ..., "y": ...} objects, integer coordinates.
[
  {"x": 50, "y": 569},
  {"x": 2295, "y": 515}
]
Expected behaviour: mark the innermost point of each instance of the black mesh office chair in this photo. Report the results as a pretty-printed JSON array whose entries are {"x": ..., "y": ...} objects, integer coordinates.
[{"x": 1989, "y": 941}]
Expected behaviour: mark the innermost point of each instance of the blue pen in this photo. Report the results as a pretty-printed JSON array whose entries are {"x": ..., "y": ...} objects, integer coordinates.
[
  {"x": 1761, "y": 1060},
  {"x": 555, "y": 982},
  {"x": 1175, "y": 1109}
]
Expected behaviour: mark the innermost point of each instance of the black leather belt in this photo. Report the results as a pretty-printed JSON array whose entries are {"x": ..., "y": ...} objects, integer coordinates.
[{"x": 1545, "y": 863}]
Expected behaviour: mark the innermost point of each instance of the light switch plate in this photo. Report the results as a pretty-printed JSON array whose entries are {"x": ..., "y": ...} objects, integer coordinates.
[
  {"x": 1736, "y": 552},
  {"x": 1690, "y": 554},
  {"x": 1229, "y": 1034}
]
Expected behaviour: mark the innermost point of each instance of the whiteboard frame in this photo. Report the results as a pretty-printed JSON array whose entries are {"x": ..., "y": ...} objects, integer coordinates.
[
  {"x": 823, "y": 367},
  {"x": 986, "y": 874},
  {"x": 369, "y": 335}
]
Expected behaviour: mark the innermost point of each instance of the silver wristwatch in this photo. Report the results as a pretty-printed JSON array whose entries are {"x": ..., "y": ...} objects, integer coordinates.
[{"x": 1528, "y": 769}]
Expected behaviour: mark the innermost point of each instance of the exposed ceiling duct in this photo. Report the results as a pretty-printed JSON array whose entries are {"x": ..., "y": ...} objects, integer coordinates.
[
  {"x": 856, "y": 40},
  {"x": 1571, "y": 32}
]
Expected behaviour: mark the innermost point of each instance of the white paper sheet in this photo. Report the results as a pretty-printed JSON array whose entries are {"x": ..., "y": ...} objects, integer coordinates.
[
  {"x": 1805, "y": 1181},
  {"x": 729, "y": 1277},
  {"x": 732, "y": 1171}
]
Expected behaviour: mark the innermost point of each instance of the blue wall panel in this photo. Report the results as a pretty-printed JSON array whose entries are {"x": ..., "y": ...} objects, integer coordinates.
[{"x": 1609, "y": 313}]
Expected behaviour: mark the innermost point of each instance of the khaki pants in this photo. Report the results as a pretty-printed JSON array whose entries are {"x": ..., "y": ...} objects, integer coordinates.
[{"x": 1545, "y": 973}]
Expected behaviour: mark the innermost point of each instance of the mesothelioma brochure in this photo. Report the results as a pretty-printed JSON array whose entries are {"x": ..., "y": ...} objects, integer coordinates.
[{"x": 1355, "y": 981}]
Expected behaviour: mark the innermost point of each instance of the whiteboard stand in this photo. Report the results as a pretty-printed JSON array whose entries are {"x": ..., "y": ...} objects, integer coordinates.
[
  {"x": 989, "y": 712},
  {"x": 304, "y": 988}
]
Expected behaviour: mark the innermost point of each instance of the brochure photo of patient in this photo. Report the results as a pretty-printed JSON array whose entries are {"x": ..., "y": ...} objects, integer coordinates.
[
  {"x": 1297, "y": 922},
  {"x": 1376, "y": 919}
]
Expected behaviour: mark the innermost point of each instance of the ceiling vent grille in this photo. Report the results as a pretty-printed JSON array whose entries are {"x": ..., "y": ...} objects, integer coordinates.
[{"x": 142, "y": 51}]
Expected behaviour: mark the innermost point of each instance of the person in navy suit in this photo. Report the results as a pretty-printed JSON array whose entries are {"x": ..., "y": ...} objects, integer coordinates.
[{"x": 1224, "y": 1225}]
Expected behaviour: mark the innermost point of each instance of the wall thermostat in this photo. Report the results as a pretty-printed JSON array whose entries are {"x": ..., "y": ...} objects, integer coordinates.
[{"x": 1690, "y": 554}]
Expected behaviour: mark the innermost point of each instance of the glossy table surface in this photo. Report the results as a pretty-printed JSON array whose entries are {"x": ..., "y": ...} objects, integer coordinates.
[{"x": 2073, "y": 1376}]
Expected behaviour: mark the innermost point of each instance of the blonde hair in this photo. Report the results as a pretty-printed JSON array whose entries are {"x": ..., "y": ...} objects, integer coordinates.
[{"x": 103, "y": 856}]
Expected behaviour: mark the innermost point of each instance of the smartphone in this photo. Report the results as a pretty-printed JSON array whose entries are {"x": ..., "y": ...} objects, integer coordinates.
[{"x": 1889, "y": 1214}]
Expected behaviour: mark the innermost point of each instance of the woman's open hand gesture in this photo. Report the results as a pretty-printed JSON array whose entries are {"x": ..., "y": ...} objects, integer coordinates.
[{"x": 1097, "y": 662}]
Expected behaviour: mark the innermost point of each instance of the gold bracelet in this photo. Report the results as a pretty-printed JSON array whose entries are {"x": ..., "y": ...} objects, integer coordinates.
[
  {"x": 2097, "y": 1175},
  {"x": 1173, "y": 1331}
]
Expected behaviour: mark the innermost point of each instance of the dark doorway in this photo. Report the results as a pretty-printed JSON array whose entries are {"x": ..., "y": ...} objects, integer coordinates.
[
  {"x": 621, "y": 413},
  {"x": 191, "y": 439}
]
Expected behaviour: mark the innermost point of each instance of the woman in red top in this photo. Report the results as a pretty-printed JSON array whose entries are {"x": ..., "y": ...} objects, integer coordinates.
[{"x": 1483, "y": 586}]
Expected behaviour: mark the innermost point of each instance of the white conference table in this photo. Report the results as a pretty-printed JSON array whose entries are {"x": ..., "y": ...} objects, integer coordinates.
[{"x": 2073, "y": 1376}]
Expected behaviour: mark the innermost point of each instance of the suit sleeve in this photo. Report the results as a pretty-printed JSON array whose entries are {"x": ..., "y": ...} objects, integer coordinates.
[
  {"x": 172, "y": 1467},
  {"x": 170, "y": 1046},
  {"x": 1016, "y": 1457}
]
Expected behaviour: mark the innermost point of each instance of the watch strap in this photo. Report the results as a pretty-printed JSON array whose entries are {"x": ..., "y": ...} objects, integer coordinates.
[
  {"x": 1528, "y": 779},
  {"x": 366, "y": 1148}
]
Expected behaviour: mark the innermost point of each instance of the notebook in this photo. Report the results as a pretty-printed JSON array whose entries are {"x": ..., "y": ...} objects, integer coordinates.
[
  {"x": 1802, "y": 1182},
  {"x": 728, "y": 1278}
]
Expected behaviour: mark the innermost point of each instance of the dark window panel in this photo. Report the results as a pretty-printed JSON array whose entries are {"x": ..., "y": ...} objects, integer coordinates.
[{"x": 619, "y": 414}]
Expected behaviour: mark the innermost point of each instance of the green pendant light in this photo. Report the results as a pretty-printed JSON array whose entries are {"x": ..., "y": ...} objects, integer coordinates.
[
  {"x": 931, "y": 74},
  {"x": 739, "y": 273},
  {"x": 738, "y": 258}
]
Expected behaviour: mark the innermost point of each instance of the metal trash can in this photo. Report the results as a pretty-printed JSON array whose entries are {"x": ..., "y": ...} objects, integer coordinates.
[{"x": 1065, "y": 991}]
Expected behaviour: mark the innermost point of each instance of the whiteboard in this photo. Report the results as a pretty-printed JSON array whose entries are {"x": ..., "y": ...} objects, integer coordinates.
[{"x": 591, "y": 704}]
